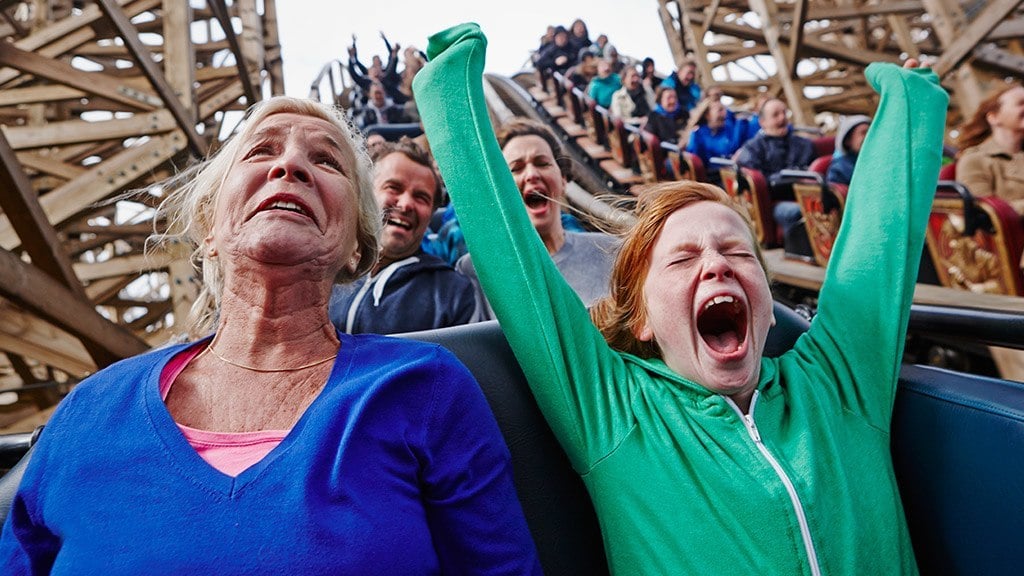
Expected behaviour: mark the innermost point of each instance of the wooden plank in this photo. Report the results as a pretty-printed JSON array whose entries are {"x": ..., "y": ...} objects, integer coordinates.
[
  {"x": 40, "y": 240},
  {"x": 967, "y": 38},
  {"x": 768, "y": 12},
  {"x": 39, "y": 294},
  {"x": 100, "y": 182},
  {"x": 797, "y": 39},
  {"x": 673, "y": 33},
  {"x": 49, "y": 165},
  {"x": 30, "y": 337},
  {"x": 810, "y": 277},
  {"x": 184, "y": 117},
  {"x": 179, "y": 53},
  {"x": 63, "y": 73},
  {"x": 38, "y": 94},
  {"x": 220, "y": 11},
  {"x": 79, "y": 131},
  {"x": 122, "y": 265}
]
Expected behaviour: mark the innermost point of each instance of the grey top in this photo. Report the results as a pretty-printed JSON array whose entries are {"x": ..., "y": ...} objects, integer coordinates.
[{"x": 585, "y": 261}]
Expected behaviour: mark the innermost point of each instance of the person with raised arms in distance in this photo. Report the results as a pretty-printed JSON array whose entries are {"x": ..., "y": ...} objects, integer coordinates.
[
  {"x": 277, "y": 445},
  {"x": 701, "y": 455}
]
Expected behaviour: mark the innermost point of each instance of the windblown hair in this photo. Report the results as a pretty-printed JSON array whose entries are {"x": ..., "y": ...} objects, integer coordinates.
[
  {"x": 191, "y": 198},
  {"x": 526, "y": 127},
  {"x": 622, "y": 314},
  {"x": 977, "y": 129}
]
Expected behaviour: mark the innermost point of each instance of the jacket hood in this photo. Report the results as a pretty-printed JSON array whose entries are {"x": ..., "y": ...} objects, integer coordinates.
[{"x": 845, "y": 126}]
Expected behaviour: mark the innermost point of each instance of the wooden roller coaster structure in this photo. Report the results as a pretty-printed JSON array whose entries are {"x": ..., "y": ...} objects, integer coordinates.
[{"x": 98, "y": 98}]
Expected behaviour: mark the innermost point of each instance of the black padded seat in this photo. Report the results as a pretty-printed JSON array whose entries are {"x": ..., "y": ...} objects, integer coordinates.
[{"x": 555, "y": 502}]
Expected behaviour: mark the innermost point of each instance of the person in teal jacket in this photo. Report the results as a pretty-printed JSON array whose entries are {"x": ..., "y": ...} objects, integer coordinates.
[{"x": 701, "y": 456}]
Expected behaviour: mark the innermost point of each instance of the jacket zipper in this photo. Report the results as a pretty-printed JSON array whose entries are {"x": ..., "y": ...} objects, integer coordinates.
[{"x": 794, "y": 498}]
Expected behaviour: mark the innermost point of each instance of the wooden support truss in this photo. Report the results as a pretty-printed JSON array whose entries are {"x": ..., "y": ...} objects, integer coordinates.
[
  {"x": 813, "y": 52},
  {"x": 99, "y": 98}
]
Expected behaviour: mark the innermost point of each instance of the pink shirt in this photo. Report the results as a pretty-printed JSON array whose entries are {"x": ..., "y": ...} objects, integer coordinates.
[{"x": 228, "y": 452}]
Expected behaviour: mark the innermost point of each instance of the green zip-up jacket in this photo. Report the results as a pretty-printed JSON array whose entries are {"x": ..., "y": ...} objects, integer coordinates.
[{"x": 681, "y": 481}]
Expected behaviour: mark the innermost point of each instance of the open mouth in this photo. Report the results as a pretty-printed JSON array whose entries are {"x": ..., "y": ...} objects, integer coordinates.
[
  {"x": 535, "y": 200},
  {"x": 392, "y": 219},
  {"x": 722, "y": 324},
  {"x": 288, "y": 206}
]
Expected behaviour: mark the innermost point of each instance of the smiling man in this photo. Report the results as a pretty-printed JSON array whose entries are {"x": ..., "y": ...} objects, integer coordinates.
[{"x": 408, "y": 289}]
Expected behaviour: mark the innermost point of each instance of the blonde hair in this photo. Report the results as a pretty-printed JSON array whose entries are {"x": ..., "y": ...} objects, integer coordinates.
[
  {"x": 191, "y": 198},
  {"x": 622, "y": 314}
]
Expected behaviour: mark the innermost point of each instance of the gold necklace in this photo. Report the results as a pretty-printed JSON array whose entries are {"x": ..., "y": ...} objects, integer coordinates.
[{"x": 210, "y": 349}]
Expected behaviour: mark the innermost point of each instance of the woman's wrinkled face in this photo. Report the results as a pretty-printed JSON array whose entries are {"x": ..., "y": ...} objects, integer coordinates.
[
  {"x": 540, "y": 181},
  {"x": 289, "y": 199},
  {"x": 708, "y": 305}
]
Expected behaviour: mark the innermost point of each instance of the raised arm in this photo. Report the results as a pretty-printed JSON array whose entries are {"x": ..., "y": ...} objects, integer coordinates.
[
  {"x": 857, "y": 336},
  {"x": 579, "y": 382}
]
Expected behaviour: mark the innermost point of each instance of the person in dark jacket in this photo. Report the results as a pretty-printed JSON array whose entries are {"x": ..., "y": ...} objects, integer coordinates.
[
  {"x": 668, "y": 119},
  {"x": 774, "y": 149},
  {"x": 852, "y": 131},
  {"x": 559, "y": 55},
  {"x": 407, "y": 290},
  {"x": 380, "y": 110}
]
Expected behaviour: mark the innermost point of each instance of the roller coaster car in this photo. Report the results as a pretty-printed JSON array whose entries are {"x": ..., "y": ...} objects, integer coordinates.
[
  {"x": 956, "y": 445},
  {"x": 685, "y": 166},
  {"x": 651, "y": 157},
  {"x": 975, "y": 243},
  {"x": 821, "y": 206},
  {"x": 572, "y": 122},
  {"x": 749, "y": 188}
]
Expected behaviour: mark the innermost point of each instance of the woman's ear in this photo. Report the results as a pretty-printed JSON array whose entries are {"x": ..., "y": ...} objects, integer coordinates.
[
  {"x": 211, "y": 250},
  {"x": 353, "y": 263}
]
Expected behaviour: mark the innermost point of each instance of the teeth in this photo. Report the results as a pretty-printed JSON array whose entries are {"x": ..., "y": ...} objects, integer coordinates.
[
  {"x": 288, "y": 206},
  {"x": 719, "y": 300}
]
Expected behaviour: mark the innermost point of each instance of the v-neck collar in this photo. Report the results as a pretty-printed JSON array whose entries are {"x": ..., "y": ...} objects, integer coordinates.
[{"x": 187, "y": 461}]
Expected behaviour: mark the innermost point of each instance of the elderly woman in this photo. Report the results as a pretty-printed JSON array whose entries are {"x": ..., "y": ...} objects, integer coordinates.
[
  {"x": 541, "y": 170},
  {"x": 701, "y": 455},
  {"x": 278, "y": 445}
]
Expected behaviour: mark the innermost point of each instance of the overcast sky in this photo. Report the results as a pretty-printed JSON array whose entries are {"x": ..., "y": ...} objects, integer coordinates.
[{"x": 315, "y": 31}]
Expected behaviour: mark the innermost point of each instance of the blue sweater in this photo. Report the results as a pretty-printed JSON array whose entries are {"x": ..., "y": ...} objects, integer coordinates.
[{"x": 397, "y": 467}]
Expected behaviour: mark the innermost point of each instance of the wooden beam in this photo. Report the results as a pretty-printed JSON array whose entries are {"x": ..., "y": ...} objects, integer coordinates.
[
  {"x": 960, "y": 49},
  {"x": 122, "y": 265},
  {"x": 814, "y": 46},
  {"x": 100, "y": 182},
  {"x": 179, "y": 51},
  {"x": 768, "y": 12},
  {"x": 63, "y": 73},
  {"x": 825, "y": 12},
  {"x": 797, "y": 37},
  {"x": 995, "y": 57},
  {"x": 30, "y": 337},
  {"x": 220, "y": 11},
  {"x": 36, "y": 292},
  {"x": 673, "y": 34},
  {"x": 40, "y": 240},
  {"x": 49, "y": 165},
  {"x": 78, "y": 131},
  {"x": 38, "y": 94},
  {"x": 21, "y": 368},
  {"x": 186, "y": 120}
]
